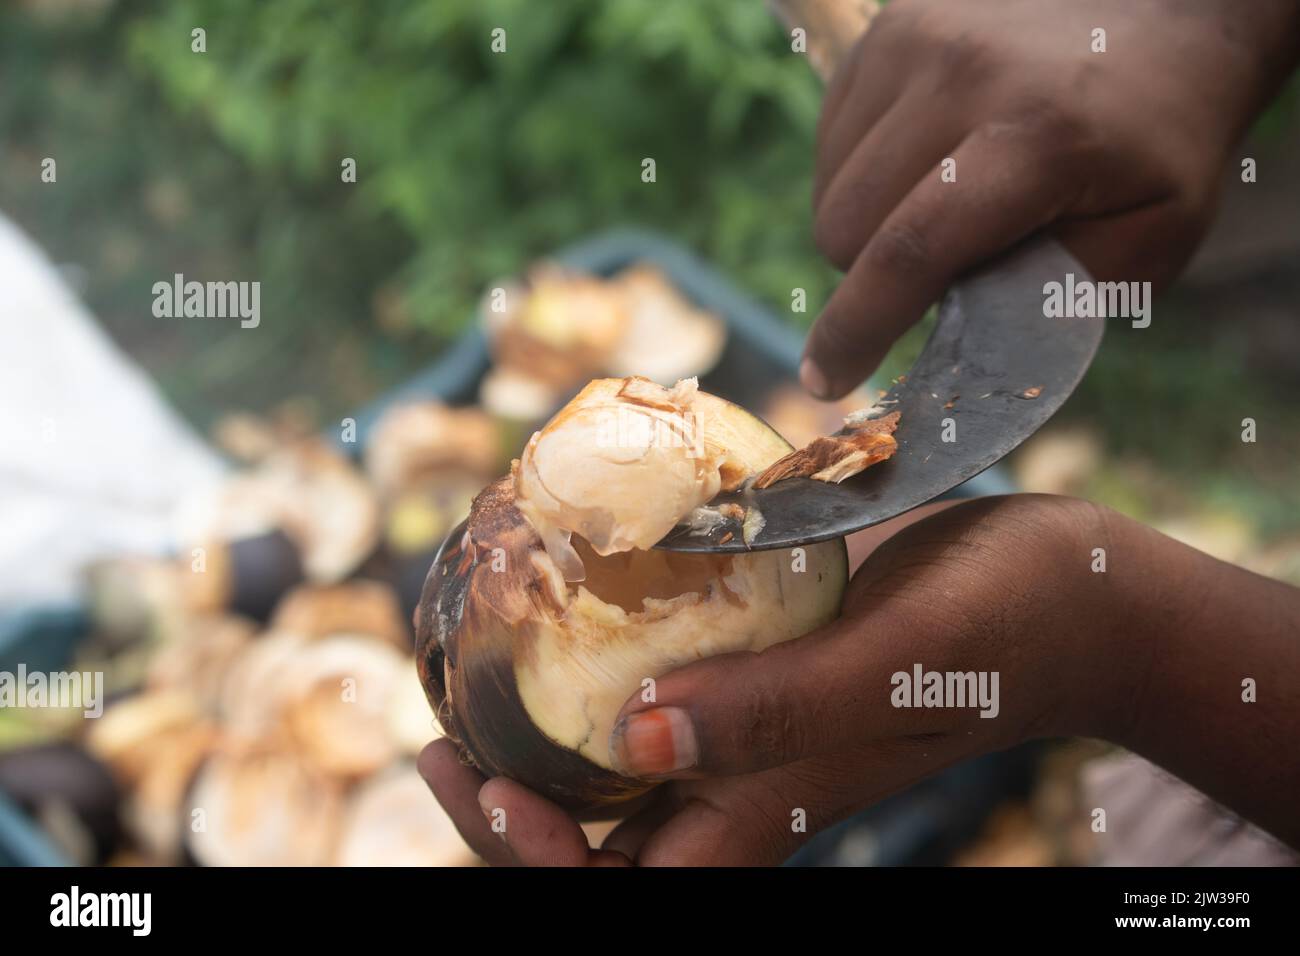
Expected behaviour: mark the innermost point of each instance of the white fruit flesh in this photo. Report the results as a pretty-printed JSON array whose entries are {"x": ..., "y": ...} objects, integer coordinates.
[
  {"x": 645, "y": 613},
  {"x": 599, "y": 504},
  {"x": 627, "y": 459}
]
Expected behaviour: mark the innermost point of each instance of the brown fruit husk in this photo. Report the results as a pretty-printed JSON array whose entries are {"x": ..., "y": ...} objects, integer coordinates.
[
  {"x": 836, "y": 457},
  {"x": 471, "y": 685}
]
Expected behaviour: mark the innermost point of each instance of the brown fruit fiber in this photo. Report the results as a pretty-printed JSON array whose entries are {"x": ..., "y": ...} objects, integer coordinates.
[{"x": 836, "y": 457}]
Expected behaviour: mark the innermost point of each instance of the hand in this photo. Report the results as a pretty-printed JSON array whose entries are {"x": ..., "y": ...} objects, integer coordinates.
[
  {"x": 1117, "y": 153},
  {"x": 999, "y": 584},
  {"x": 1154, "y": 653}
]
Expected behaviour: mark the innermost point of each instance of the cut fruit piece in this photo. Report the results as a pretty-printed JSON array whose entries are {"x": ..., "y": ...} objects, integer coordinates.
[
  {"x": 308, "y": 490},
  {"x": 263, "y": 809},
  {"x": 328, "y": 698},
  {"x": 196, "y": 663},
  {"x": 353, "y": 607},
  {"x": 392, "y": 822},
  {"x": 529, "y": 671},
  {"x": 244, "y": 576},
  {"x": 515, "y": 396},
  {"x": 419, "y": 441},
  {"x": 336, "y": 702},
  {"x": 559, "y": 327},
  {"x": 154, "y": 742},
  {"x": 130, "y": 733},
  {"x": 667, "y": 337},
  {"x": 627, "y": 459}
]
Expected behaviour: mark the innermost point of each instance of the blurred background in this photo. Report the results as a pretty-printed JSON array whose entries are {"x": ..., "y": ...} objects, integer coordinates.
[{"x": 471, "y": 168}]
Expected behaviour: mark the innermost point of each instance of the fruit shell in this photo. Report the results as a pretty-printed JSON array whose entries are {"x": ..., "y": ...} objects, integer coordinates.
[{"x": 492, "y": 717}]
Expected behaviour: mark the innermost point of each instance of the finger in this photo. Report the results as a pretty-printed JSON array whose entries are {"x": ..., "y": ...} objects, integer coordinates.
[
  {"x": 827, "y": 691},
  {"x": 710, "y": 832},
  {"x": 840, "y": 86},
  {"x": 1151, "y": 242},
  {"x": 615, "y": 811},
  {"x": 1005, "y": 188},
  {"x": 879, "y": 173},
  {"x": 456, "y": 788},
  {"x": 628, "y": 836},
  {"x": 753, "y": 820},
  {"x": 761, "y": 819},
  {"x": 739, "y": 713},
  {"x": 861, "y": 92},
  {"x": 607, "y": 858},
  {"x": 537, "y": 831}
]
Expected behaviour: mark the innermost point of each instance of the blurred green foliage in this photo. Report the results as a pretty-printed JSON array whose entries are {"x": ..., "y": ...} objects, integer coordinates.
[
  {"x": 145, "y": 191},
  {"x": 487, "y": 160},
  {"x": 226, "y": 164}
]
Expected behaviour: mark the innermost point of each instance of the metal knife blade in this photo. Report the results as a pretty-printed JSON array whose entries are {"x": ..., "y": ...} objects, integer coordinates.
[{"x": 995, "y": 366}]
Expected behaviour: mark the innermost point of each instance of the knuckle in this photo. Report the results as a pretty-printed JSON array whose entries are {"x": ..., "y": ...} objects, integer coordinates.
[
  {"x": 767, "y": 732},
  {"x": 919, "y": 18},
  {"x": 834, "y": 233},
  {"x": 834, "y": 336},
  {"x": 895, "y": 18},
  {"x": 1055, "y": 142},
  {"x": 743, "y": 830},
  {"x": 898, "y": 249},
  {"x": 956, "y": 47},
  {"x": 1050, "y": 128},
  {"x": 965, "y": 59}
]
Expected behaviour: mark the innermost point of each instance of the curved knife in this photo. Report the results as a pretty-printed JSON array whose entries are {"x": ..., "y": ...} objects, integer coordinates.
[{"x": 993, "y": 371}]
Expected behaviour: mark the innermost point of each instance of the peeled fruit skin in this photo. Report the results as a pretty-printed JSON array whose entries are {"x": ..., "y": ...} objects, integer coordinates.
[
  {"x": 468, "y": 629},
  {"x": 626, "y": 459},
  {"x": 528, "y": 672}
]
